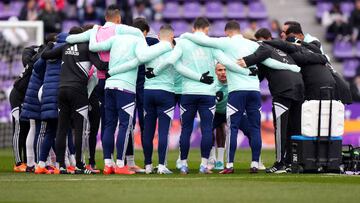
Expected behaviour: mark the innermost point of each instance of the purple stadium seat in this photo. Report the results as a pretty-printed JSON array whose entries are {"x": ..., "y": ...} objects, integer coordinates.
[
  {"x": 257, "y": 10},
  {"x": 96, "y": 22},
  {"x": 235, "y": 10},
  {"x": 347, "y": 7},
  {"x": 68, "y": 24},
  {"x": 321, "y": 7},
  {"x": 180, "y": 27},
  {"x": 192, "y": 10},
  {"x": 155, "y": 26},
  {"x": 214, "y": 10},
  {"x": 172, "y": 10},
  {"x": 358, "y": 49},
  {"x": 244, "y": 24},
  {"x": 343, "y": 49},
  {"x": 263, "y": 24},
  {"x": 350, "y": 67},
  {"x": 217, "y": 29}
]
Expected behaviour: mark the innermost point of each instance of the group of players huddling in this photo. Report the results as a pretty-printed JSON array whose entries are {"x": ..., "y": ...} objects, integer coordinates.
[{"x": 98, "y": 73}]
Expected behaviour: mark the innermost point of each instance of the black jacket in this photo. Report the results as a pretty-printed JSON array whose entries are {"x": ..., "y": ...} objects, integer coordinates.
[
  {"x": 76, "y": 63},
  {"x": 313, "y": 66},
  {"x": 29, "y": 56},
  {"x": 282, "y": 83}
]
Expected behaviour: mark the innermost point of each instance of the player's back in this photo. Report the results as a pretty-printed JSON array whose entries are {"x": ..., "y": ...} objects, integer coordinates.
[
  {"x": 237, "y": 48},
  {"x": 200, "y": 60},
  {"x": 123, "y": 50},
  {"x": 164, "y": 81}
]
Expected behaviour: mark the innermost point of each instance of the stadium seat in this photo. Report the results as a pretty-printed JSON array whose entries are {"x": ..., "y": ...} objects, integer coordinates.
[
  {"x": 244, "y": 24},
  {"x": 172, "y": 10},
  {"x": 217, "y": 29},
  {"x": 349, "y": 68},
  {"x": 155, "y": 26},
  {"x": 322, "y": 7},
  {"x": 257, "y": 10},
  {"x": 342, "y": 50},
  {"x": 192, "y": 10},
  {"x": 180, "y": 27},
  {"x": 347, "y": 7},
  {"x": 214, "y": 10},
  {"x": 68, "y": 24},
  {"x": 235, "y": 10},
  {"x": 263, "y": 24}
]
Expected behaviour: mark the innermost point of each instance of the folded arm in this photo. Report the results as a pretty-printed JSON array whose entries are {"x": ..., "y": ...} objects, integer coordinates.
[
  {"x": 99, "y": 64},
  {"x": 131, "y": 64},
  {"x": 79, "y": 38},
  {"x": 95, "y": 46},
  {"x": 146, "y": 53},
  {"x": 228, "y": 63},
  {"x": 186, "y": 72},
  {"x": 171, "y": 60},
  {"x": 203, "y": 40},
  {"x": 52, "y": 53},
  {"x": 128, "y": 30}
]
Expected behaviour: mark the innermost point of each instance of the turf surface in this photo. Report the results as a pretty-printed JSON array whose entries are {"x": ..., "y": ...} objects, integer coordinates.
[{"x": 238, "y": 187}]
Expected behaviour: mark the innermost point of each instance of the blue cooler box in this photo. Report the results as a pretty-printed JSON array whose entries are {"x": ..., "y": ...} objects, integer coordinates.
[{"x": 313, "y": 154}]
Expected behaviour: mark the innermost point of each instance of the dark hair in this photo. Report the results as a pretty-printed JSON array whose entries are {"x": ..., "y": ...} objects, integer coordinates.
[
  {"x": 294, "y": 29},
  {"x": 112, "y": 11},
  {"x": 76, "y": 30},
  {"x": 201, "y": 23},
  {"x": 263, "y": 33},
  {"x": 292, "y": 23},
  {"x": 87, "y": 27},
  {"x": 141, "y": 24},
  {"x": 232, "y": 25},
  {"x": 51, "y": 37},
  {"x": 167, "y": 27}
]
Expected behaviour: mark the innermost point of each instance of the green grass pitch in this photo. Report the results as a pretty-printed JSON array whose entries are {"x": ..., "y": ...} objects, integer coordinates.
[{"x": 238, "y": 187}]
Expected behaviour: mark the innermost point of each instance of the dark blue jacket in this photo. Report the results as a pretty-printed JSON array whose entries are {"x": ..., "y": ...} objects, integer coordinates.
[
  {"x": 49, "y": 99},
  {"x": 32, "y": 107}
]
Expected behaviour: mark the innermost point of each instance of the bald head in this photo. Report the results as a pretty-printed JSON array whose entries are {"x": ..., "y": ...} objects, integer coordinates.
[{"x": 166, "y": 33}]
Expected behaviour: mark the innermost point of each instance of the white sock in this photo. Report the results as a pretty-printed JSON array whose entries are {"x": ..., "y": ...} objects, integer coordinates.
[
  {"x": 212, "y": 153},
  {"x": 120, "y": 163},
  {"x": 57, "y": 165},
  {"x": 254, "y": 164},
  {"x": 72, "y": 160},
  {"x": 149, "y": 167},
  {"x": 67, "y": 160},
  {"x": 112, "y": 160},
  {"x": 42, "y": 164},
  {"x": 204, "y": 162},
  {"x": 130, "y": 160},
  {"x": 184, "y": 162},
  {"x": 220, "y": 154},
  {"x": 229, "y": 165},
  {"x": 108, "y": 162}
]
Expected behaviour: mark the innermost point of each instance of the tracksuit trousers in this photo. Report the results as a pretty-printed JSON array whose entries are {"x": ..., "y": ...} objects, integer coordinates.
[
  {"x": 238, "y": 103},
  {"x": 287, "y": 122},
  {"x": 158, "y": 105},
  {"x": 73, "y": 113},
  {"x": 119, "y": 106},
  {"x": 189, "y": 106}
]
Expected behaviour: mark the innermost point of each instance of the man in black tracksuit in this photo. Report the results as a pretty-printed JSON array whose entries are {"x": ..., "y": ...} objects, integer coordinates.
[
  {"x": 313, "y": 64},
  {"x": 17, "y": 95},
  {"x": 73, "y": 96},
  {"x": 287, "y": 90}
]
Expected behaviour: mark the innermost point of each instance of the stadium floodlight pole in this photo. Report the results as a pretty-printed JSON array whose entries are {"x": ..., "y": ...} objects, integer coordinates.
[{"x": 38, "y": 25}]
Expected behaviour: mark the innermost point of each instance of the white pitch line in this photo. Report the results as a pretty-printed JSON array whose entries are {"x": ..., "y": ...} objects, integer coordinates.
[{"x": 165, "y": 178}]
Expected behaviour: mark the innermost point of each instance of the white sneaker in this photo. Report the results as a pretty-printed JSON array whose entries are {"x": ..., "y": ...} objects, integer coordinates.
[
  {"x": 211, "y": 163},
  {"x": 254, "y": 164},
  {"x": 149, "y": 169},
  {"x": 178, "y": 164},
  {"x": 164, "y": 170}
]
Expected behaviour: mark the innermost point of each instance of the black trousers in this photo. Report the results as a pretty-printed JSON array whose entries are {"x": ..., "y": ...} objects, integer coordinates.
[
  {"x": 287, "y": 122},
  {"x": 20, "y": 127},
  {"x": 73, "y": 113},
  {"x": 94, "y": 120}
]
